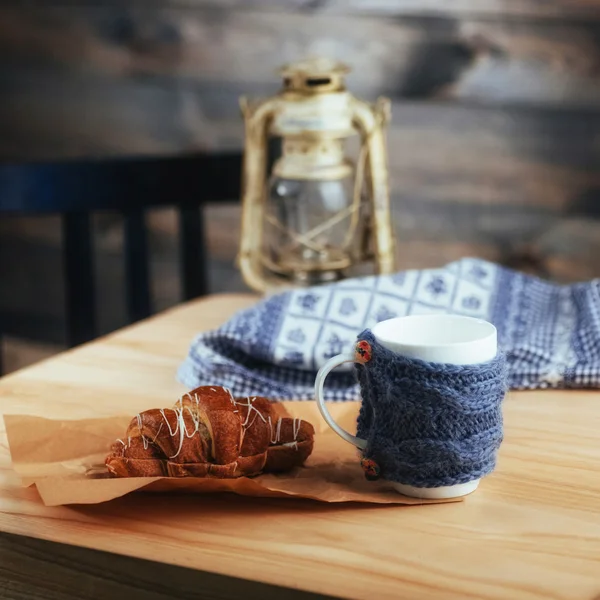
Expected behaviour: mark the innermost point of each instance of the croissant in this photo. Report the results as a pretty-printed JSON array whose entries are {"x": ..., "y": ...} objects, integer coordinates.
[{"x": 209, "y": 433}]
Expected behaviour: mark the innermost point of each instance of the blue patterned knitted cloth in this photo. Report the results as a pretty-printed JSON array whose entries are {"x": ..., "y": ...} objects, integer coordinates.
[
  {"x": 429, "y": 425},
  {"x": 549, "y": 333}
]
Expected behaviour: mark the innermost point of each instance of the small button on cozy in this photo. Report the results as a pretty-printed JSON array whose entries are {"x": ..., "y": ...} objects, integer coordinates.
[
  {"x": 363, "y": 352},
  {"x": 371, "y": 469}
]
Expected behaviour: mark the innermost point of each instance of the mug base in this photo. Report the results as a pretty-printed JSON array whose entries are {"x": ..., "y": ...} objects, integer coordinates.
[{"x": 439, "y": 493}]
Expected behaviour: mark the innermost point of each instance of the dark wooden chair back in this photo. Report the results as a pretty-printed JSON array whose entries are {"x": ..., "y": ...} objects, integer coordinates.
[{"x": 76, "y": 190}]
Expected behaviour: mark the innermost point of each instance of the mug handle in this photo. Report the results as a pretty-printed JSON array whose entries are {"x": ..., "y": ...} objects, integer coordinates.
[{"x": 336, "y": 361}]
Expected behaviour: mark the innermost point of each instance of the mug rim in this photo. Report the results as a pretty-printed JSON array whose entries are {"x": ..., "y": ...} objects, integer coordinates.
[{"x": 493, "y": 332}]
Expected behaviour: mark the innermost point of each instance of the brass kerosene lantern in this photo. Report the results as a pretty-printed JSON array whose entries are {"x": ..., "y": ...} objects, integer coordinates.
[{"x": 316, "y": 216}]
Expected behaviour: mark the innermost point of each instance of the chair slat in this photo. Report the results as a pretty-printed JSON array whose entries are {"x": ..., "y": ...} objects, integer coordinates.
[
  {"x": 193, "y": 255},
  {"x": 137, "y": 269},
  {"x": 78, "y": 261}
]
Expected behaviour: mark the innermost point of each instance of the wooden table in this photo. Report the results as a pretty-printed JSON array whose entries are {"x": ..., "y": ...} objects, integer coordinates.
[{"x": 532, "y": 530}]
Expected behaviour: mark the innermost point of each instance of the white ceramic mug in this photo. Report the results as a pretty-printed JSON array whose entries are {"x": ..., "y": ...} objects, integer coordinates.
[{"x": 436, "y": 338}]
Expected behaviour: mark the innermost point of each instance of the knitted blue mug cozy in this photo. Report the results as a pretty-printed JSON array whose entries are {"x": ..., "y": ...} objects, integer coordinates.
[{"x": 428, "y": 424}]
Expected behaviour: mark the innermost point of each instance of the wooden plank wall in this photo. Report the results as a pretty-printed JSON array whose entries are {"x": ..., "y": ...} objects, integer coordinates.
[{"x": 494, "y": 144}]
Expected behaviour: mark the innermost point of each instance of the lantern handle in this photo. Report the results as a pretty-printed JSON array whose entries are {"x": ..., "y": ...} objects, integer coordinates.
[
  {"x": 371, "y": 120},
  {"x": 253, "y": 189}
]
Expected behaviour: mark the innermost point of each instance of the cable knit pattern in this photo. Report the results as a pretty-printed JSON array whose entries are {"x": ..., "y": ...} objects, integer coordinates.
[{"x": 430, "y": 425}]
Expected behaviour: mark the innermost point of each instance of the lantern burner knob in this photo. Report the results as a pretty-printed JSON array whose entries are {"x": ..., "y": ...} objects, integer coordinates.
[{"x": 314, "y": 76}]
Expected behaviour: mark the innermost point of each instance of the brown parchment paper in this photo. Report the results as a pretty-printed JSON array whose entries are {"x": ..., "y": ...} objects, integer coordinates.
[{"x": 62, "y": 459}]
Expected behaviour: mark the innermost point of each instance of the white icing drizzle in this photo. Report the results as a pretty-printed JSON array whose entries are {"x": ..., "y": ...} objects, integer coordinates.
[
  {"x": 276, "y": 435},
  {"x": 140, "y": 424},
  {"x": 181, "y": 427},
  {"x": 157, "y": 433},
  {"x": 231, "y": 398},
  {"x": 273, "y": 439},
  {"x": 145, "y": 441},
  {"x": 252, "y": 412}
]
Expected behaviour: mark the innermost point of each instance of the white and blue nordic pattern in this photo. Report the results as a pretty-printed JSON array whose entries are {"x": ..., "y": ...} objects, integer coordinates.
[{"x": 550, "y": 333}]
